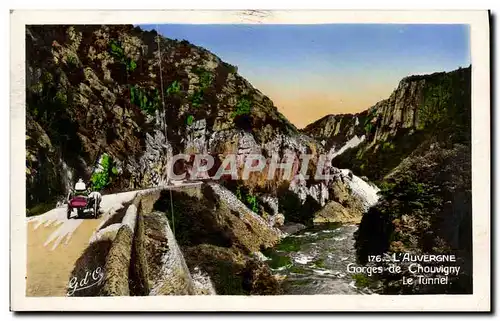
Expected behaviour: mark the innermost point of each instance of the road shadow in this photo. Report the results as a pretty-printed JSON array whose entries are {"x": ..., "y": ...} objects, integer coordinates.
[
  {"x": 118, "y": 216},
  {"x": 87, "y": 275}
]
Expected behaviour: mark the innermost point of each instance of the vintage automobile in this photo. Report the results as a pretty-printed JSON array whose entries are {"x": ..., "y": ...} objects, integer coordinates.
[{"x": 84, "y": 205}]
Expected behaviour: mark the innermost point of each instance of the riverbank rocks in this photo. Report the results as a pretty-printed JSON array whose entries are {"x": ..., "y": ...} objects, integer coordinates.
[
  {"x": 279, "y": 219},
  {"x": 341, "y": 193},
  {"x": 292, "y": 228},
  {"x": 232, "y": 272},
  {"x": 271, "y": 202},
  {"x": 334, "y": 212}
]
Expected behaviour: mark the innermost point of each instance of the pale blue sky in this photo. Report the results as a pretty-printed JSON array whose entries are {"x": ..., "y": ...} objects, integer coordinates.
[{"x": 328, "y": 68}]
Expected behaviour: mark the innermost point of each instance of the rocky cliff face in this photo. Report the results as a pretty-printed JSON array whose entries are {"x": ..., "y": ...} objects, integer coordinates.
[
  {"x": 376, "y": 140},
  {"x": 416, "y": 144},
  {"x": 378, "y": 123},
  {"x": 112, "y": 104},
  {"x": 95, "y": 103},
  {"x": 334, "y": 131}
]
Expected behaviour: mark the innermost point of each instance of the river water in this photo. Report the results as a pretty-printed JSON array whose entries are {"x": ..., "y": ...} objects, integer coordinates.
[{"x": 315, "y": 261}]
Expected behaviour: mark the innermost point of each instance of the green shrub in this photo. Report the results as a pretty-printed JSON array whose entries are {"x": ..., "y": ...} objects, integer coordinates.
[
  {"x": 61, "y": 97},
  {"x": 118, "y": 52},
  {"x": 116, "y": 49},
  {"x": 385, "y": 186},
  {"x": 190, "y": 120},
  {"x": 446, "y": 103},
  {"x": 361, "y": 280},
  {"x": 37, "y": 88},
  {"x": 174, "y": 88},
  {"x": 251, "y": 200},
  {"x": 232, "y": 69},
  {"x": 131, "y": 65},
  {"x": 197, "y": 98},
  {"x": 408, "y": 196},
  {"x": 101, "y": 179},
  {"x": 206, "y": 79},
  {"x": 72, "y": 59},
  {"x": 204, "y": 75},
  {"x": 243, "y": 107},
  {"x": 436, "y": 103},
  {"x": 368, "y": 127},
  {"x": 247, "y": 198},
  {"x": 388, "y": 146},
  {"x": 47, "y": 78},
  {"x": 148, "y": 102}
]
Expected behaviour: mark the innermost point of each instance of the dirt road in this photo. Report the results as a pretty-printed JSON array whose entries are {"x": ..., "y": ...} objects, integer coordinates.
[{"x": 55, "y": 243}]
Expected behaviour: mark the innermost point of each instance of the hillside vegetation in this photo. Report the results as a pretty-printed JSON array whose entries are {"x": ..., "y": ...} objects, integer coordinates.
[{"x": 417, "y": 148}]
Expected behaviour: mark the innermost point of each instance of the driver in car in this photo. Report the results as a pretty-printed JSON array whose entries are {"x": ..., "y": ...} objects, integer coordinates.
[{"x": 80, "y": 189}]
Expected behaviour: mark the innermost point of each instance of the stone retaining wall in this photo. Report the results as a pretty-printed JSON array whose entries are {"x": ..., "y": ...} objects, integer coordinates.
[{"x": 126, "y": 268}]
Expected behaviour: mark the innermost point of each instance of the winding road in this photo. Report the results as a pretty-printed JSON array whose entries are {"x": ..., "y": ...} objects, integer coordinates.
[{"x": 55, "y": 243}]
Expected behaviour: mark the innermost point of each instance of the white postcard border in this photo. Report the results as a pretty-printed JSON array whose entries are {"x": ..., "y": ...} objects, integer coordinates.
[{"x": 479, "y": 33}]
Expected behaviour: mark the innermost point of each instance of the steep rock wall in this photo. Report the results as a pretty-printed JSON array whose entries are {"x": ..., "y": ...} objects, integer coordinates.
[
  {"x": 98, "y": 89},
  {"x": 112, "y": 104},
  {"x": 380, "y": 137}
]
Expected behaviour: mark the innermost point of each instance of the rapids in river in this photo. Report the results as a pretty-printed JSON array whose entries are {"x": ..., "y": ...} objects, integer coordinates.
[{"x": 315, "y": 261}]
